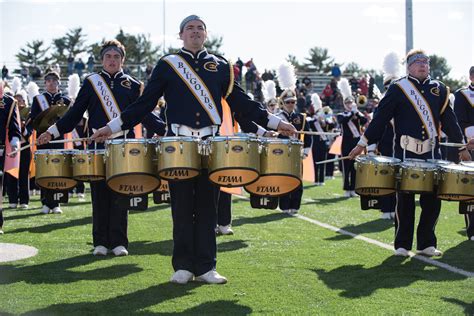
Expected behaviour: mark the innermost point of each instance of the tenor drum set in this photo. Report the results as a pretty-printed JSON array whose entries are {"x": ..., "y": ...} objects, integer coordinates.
[
  {"x": 380, "y": 176},
  {"x": 133, "y": 167}
]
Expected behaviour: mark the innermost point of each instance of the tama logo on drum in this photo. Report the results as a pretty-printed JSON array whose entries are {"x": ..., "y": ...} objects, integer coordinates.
[
  {"x": 56, "y": 184},
  {"x": 131, "y": 188},
  {"x": 134, "y": 151},
  {"x": 237, "y": 148},
  {"x": 277, "y": 151},
  {"x": 268, "y": 189},
  {"x": 177, "y": 173},
  {"x": 230, "y": 179},
  {"x": 170, "y": 149}
]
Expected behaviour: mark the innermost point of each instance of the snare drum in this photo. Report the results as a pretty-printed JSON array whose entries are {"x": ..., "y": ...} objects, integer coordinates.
[
  {"x": 456, "y": 183},
  {"x": 418, "y": 176},
  {"x": 89, "y": 165},
  {"x": 178, "y": 158},
  {"x": 234, "y": 161},
  {"x": 280, "y": 168},
  {"x": 375, "y": 175},
  {"x": 129, "y": 166},
  {"x": 54, "y": 169}
]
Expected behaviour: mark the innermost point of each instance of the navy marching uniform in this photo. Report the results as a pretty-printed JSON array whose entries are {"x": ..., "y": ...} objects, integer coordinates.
[
  {"x": 320, "y": 148},
  {"x": 80, "y": 132},
  {"x": 8, "y": 119},
  {"x": 291, "y": 202},
  {"x": 464, "y": 109},
  {"x": 403, "y": 102},
  {"x": 37, "y": 107},
  {"x": 351, "y": 123},
  {"x": 109, "y": 213},
  {"x": 193, "y": 85}
]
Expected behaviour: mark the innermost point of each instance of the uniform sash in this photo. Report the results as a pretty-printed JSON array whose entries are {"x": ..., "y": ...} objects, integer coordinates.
[
  {"x": 469, "y": 94},
  {"x": 320, "y": 130},
  {"x": 354, "y": 130},
  {"x": 43, "y": 103},
  {"x": 196, "y": 85},
  {"x": 106, "y": 97},
  {"x": 420, "y": 104}
]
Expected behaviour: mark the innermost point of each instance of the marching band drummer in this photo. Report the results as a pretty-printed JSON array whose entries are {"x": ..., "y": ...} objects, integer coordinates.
[
  {"x": 104, "y": 95},
  {"x": 464, "y": 109},
  {"x": 52, "y": 96},
  {"x": 193, "y": 82},
  {"x": 351, "y": 122},
  {"x": 8, "y": 123},
  {"x": 419, "y": 106}
]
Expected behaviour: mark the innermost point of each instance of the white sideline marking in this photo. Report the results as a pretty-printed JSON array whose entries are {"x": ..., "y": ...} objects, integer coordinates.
[{"x": 379, "y": 243}]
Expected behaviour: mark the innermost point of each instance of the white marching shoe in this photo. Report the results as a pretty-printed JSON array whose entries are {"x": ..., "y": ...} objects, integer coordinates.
[
  {"x": 57, "y": 210},
  {"x": 353, "y": 194},
  {"x": 45, "y": 210},
  {"x": 81, "y": 197},
  {"x": 385, "y": 216},
  {"x": 472, "y": 238},
  {"x": 120, "y": 251},
  {"x": 430, "y": 252},
  {"x": 1, "y": 230},
  {"x": 293, "y": 211},
  {"x": 347, "y": 194},
  {"x": 12, "y": 205},
  {"x": 225, "y": 230},
  {"x": 100, "y": 251},
  {"x": 182, "y": 277},
  {"x": 402, "y": 252},
  {"x": 24, "y": 206},
  {"x": 211, "y": 277}
]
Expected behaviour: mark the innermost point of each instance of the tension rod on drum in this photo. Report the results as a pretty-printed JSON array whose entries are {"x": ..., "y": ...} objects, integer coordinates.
[
  {"x": 332, "y": 160},
  {"x": 51, "y": 142}
]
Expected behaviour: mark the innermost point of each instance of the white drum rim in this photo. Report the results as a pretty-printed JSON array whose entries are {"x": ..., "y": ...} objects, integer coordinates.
[
  {"x": 130, "y": 141},
  {"x": 390, "y": 161},
  {"x": 172, "y": 139},
  {"x": 455, "y": 168}
]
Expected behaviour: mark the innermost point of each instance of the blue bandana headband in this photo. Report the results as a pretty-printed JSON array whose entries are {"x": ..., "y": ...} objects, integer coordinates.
[
  {"x": 114, "y": 48},
  {"x": 189, "y": 19},
  {"x": 412, "y": 58}
]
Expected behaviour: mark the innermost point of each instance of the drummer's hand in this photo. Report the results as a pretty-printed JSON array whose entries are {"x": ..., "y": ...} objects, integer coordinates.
[
  {"x": 470, "y": 144},
  {"x": 356, "y": 151},
  {"x": 14, "y": 148},
  {"x": 102, "y": 134},
  {"x": 286, "y": 128},
  {"x": 44, "y": 138},
  {"x": 270, "y": 134},
  {"x": 464, "y": 155}
]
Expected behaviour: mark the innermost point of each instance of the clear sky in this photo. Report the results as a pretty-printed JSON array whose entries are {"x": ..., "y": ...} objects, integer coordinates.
[{"x": 359, "y": 31}]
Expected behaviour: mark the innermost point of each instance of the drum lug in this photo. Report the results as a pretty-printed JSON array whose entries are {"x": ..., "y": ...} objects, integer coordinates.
[
  {"x": 248, "y": 145},
  {"x": 181, "y": 147},
  {"x": 289, "y": 149},
  {"x": 227, "y": 145},
  {"x": 123, "y": 149}
]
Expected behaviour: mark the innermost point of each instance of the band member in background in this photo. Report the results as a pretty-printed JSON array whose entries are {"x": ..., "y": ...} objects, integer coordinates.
[
  {"x": 18, "y": 189},
  {"x": 109, "y": 213},
  {"x": 291, "y": 202},
  {"x": 52, "y": 96},
  {"x": 193, "y": 82},
  {"x": 9, "y": 130},
  {"x": 80, "y": 132},
  {"x": 464, "y": 109},
  {"x": 351, "y": 122},
  {"x": 419, "y": 106}
]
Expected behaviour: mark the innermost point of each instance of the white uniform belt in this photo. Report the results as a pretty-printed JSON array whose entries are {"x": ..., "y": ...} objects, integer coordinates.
[
  {"x": 415, "y": 145},
  {"x": 183, "y": 130}
]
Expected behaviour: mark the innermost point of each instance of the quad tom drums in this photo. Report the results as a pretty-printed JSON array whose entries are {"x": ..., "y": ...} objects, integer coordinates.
[
  {"x": 376, "y": 175},
  {"x": 88, "y": 165},
  {"x": 54, "y": 169},
  {"x": 179, "y": 158}
]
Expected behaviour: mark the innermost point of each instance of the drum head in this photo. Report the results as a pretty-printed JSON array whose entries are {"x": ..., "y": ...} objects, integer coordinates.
[
  {"x": 233, "y": 177},
  {"x": 454, "y": 168},
  {"x": 133, "y": 183},
  {"x": 274, "y": 185},
  {"x": 418, "y": 165},
  {"x": 469, "y": 164},
  {"x": 378, "y": 160}
]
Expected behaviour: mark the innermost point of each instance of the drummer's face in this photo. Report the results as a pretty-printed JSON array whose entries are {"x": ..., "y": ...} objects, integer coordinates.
[
  {"x": 112, "y": 62},
  {"x": 52, "y": 85}
]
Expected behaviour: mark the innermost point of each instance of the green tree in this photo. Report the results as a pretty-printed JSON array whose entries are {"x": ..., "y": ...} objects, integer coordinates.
[
  {"x": 33, "y": 54},
  {"x": 213, "y": 45},
  {"x": 71, "y": 44},
  {"x": 319, "y": 59},
  {"x": 353, "y": 68},
  {"x": 294, "y": 61},
  {"x": 439, "y": 68}
]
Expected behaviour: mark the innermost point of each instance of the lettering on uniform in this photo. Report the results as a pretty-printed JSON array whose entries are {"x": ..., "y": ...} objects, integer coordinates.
[
  {"x": 131, "y": 188},
  {"x": 229, "y": 179}
]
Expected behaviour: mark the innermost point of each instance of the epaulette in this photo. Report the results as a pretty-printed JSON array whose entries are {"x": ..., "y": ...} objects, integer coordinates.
[{"x": 131, "y": 78}]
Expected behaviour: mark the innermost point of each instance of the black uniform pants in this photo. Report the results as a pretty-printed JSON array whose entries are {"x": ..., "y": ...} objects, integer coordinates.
[
  {"x": 292, "y": 200},
  {"x": 320, "y": 152},
  {"x": 330, "y": 166},
  {"x": 388, "y": 203},
  {"x": 194, "y": 211},
  {"x": 224, "y": 209},
  {"x": 349, "y": 174},
  {"x": 18, "y": 190},
  {"x": 405, "y": 220},
  {"x": 469, "y": 218},
  {"x": 49, "y": 203},
  {"x": 109, "y": 217}
]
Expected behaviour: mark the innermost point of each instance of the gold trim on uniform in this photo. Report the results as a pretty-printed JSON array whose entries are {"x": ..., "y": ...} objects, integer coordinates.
[
  {"x": 446, "y": 102},
  {"x": 126, "y": 84},
  {"x": 210, "y": 66},
  {"x": 231, "y": 81},
  {"x": 435, "y": 91}
]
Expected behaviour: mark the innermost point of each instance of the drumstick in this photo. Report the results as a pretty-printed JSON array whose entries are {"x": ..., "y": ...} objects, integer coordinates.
[
  {"x": 51, "y": 142},
  {"x": 452, "y": 144},
  {"x": 318, "y": 133},
  {"x": 332, "y": 160}
]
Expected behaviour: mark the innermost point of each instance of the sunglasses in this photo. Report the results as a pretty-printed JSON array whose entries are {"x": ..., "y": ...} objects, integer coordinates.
[{"x": 290, "y": 102}]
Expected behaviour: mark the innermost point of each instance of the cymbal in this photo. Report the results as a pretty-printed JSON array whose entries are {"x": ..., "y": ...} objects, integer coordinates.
[{"x": 48, "y": 117}]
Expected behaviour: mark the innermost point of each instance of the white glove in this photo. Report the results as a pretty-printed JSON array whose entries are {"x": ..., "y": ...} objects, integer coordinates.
[{"x": 354, "y": 108}]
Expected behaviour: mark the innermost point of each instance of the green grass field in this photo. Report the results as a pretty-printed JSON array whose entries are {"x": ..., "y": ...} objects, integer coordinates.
[{"x": 275, "y": 263}]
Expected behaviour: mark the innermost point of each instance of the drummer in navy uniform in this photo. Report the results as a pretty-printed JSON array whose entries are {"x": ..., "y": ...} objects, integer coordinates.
[
  {"x": 8, "y": 122},
  {"x": 464, "y": 109},
  {"x": 193, "y": 82},
  {"x": 117, "y": 91},
  {"x": 290, "y": 203},
  {"x": 52, "y": 96},
  {"x": 419, "y": 106}
]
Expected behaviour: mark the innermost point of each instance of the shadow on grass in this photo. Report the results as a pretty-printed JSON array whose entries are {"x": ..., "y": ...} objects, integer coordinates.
[
  {"x": 325, "y": 201},
  {"x": 355, "y": 281},
  {"x": 59, "y": 272},
  {"x": 54, "y": 226},
  {"x": 231, "y": 245},
  {"x": 457, "y": 256},
  {"x": 259, "y": 219},
  {"x": 468, "y": 307},
  {"x": 375, "y": 226},
  {"x": 19, "y": 216},
  {"x": 153, "y": 208},
  {"x": 215, "y": 308}
]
